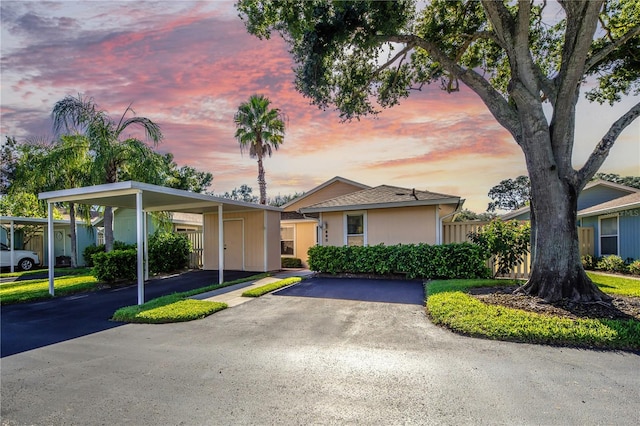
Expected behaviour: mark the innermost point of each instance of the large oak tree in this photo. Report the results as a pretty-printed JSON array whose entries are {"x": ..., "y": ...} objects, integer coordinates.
[{"x": 521, "y": 58}]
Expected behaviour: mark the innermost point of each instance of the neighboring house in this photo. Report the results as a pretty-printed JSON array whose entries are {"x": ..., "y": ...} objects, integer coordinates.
[
  {"x": 124, "y": 224},
  {"x": 38, "y": 242},
  {"x": 299, "y": 232},
  {"x": 616, "y": 226},
  {"x": 384, "y": 215},
  {"x": 594, "y": 193}
]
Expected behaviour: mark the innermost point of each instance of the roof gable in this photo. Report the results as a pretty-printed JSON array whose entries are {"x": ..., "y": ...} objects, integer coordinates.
[{"x": 330, "y": 189}]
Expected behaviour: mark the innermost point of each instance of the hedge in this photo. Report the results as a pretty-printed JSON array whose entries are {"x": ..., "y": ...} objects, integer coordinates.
[
  {"x": 460, "y": 260},
  {"x": 115, "y": 265}
]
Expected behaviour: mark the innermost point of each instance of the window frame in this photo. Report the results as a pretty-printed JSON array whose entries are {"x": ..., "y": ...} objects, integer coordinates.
[
  {"x": 346, "y": 234},
  {"x": 616, "y": 235},
  {"x": 293, "y": 240}
]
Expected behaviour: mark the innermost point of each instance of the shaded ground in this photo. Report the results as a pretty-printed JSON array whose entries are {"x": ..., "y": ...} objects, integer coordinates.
[{"x": 620, "y": 308}]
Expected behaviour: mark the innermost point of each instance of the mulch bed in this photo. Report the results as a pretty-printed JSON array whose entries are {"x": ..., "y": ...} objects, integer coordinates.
[{"x": 621, "y": 307}]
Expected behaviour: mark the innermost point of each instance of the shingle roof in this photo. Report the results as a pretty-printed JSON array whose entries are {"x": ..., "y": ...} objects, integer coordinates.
[
  {"x": 622, "y": 203},
  {"x": 381, "y": 197}
]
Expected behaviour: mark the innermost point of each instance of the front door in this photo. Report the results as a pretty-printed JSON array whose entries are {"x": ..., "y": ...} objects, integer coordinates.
[{"x": 234, "y": 245}]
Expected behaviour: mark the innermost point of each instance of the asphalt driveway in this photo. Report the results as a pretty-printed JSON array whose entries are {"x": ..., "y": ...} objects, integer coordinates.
[
  {"x": 309, "y": 360},
  {"x": 28, "y": 326}
]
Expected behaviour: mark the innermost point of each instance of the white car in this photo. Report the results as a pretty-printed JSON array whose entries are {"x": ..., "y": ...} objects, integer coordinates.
[{"x": 25, "y": 260}]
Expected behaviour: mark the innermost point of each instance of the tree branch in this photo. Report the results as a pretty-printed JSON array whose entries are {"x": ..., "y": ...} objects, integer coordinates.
[
  {"x": 601, "y": 151},
  {"x": 610, "y": 47},
  {"x": 497, "y": 104}
]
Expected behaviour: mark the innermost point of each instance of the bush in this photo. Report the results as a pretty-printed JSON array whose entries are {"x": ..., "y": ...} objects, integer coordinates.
[
  {"x": 415, "y": 260},
  {"x": 290, "y": 262},
  {"x": 590, "y": 262},
  {"x": 89, "y": 251},
  {"x": 612, "y": 263},
  {"x": 634, "y": 267},
  {"x": 168, "y": 252},
  {"x": 507, "y": 241},
  {"x": 115, "y": 265}
]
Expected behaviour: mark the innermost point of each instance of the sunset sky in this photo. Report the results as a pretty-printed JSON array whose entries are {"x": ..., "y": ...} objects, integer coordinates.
[{"x": 188, "y": 65}]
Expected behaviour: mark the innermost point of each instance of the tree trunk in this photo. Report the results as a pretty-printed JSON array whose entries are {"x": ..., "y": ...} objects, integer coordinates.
[
  {"x": 557, "y": 271},
  {"x": 74, "y": 245},
  {"x": 108, "y": 228},
  {"x": 262, "y": 183}
]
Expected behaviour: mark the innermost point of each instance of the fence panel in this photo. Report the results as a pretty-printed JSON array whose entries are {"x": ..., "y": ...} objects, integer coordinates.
[
  {"x": 195, "y": 257},
  {"x": 457, "y": 232},
  {"x": 585, "y": 238}
]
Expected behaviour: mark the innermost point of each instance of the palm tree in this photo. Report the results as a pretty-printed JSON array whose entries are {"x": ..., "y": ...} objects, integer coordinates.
[
  {"x": 111, "y": 156},
  {"x": 260, "y": 130},
  {"x": 65, "y": 166}
]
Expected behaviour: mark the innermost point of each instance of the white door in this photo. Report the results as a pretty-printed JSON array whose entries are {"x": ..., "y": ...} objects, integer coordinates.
[{"x": 234, "y": 245}]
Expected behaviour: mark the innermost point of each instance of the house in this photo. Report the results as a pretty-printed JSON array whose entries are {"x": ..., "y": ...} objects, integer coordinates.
[
  {"x": 616, "y": 226},
  {"x": 594, "y": 193},
  {"x": 299, "y": 231},
  {"x": 30, "y": 233},
  {"x": 381, "y": 215}
]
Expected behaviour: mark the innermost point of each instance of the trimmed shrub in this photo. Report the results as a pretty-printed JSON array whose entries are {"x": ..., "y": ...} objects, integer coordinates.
[
  {"x": 290, "y": 262},
  {"x": 462, "y": 260},
  {"x": 89, "y": 251},
  {"x": 612, "y": 263},
  {"x": 168, "y": 252},
  {"x": 634, "y": 267},
  {"x": 115, "y": 265}
]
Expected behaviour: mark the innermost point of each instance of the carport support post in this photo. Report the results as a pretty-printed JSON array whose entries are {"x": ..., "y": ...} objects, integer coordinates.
[
  {"x": 140, "y": 242},
  {"x": 220, "y": 246},
  {"x": 12, "y": 246},
  {"x": 146, "y": 246},
  {"x": 50, "y": 242}
]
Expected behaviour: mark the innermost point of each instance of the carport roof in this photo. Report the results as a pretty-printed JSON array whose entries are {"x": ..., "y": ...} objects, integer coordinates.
[{"x": 154, "y": 198}]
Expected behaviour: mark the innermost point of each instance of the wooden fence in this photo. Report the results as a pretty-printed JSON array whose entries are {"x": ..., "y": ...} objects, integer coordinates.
[
  {"x": 195, "y": 257},
  {"x": 458, "y": 232}
]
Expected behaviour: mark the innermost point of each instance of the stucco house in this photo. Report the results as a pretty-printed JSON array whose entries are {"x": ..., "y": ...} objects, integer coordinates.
[
  {"x": 616, "y": 226},
  {"x": 299, "y": 231},
  {"x": 343, "y": 212}
]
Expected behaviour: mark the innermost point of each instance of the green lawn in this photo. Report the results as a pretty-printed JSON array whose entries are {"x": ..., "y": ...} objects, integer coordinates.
[
  {"x": 38, "y": 289},
  {"x": 449, "y": 305},
  {"x": 268, "y": 288},
  {"x": 177, "y": 307},
  {"x": 617, "y": 285}
]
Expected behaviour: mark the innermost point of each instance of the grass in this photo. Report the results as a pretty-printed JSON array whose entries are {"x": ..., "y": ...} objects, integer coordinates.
[
  {"x": 621, "y": 286},
  {"x": 449, "y": 305},
  {"x": 268, "y": 288},
  {"x": 38, "y": 289},
  {"x": 177, "y": 307},
  {"x": 166, "y": 309},
  {"x": 61, "y": 271}
]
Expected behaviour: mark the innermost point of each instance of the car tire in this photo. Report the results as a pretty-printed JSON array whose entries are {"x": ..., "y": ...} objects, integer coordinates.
[{"x": 25, "y": 264}]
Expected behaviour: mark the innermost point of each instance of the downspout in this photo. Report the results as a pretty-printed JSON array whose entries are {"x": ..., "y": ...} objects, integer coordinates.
[{"x": 439, "y": 219}]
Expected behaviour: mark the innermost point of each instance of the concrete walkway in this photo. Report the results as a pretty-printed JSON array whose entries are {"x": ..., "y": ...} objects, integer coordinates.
[{"x": 232, "y": 295}]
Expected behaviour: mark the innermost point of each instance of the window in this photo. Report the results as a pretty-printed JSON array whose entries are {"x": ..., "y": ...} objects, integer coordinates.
[
  {"x": 608, "y": 236},
  {"x": 356, "y": 224},
  {"x": 287, "y": 247}
]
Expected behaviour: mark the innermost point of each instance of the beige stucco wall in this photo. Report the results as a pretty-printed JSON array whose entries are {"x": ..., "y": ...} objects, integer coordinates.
[
  {"x": 254, "y": 233},
  {"x": 402, "y": 225},
  {"x": 406, "y": 225},
  {"x": 333, "y": 190},
  {"x": 304, "y": 238},
  {"x": 333, "y": 231}
]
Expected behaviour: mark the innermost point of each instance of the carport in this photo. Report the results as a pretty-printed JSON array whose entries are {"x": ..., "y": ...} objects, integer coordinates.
[{"x": 260, "y": 243}]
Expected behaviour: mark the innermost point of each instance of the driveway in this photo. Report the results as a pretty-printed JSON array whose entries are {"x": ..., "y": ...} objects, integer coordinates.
[
  {"x": 28, "y": 326},
  {"x": 309, "y": 360}
]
